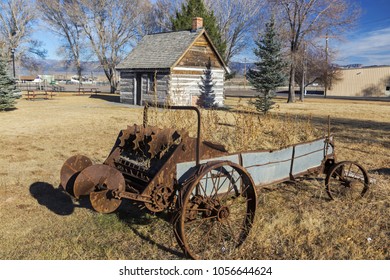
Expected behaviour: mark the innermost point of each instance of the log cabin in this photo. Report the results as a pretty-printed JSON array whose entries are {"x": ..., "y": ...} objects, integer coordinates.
[{"x": 169, "y": 68}]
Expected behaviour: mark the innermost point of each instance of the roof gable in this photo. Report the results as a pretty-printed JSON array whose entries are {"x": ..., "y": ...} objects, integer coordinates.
[{"x": 199, "y": 54}]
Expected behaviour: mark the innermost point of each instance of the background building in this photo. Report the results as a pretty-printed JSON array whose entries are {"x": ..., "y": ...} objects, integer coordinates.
[
  {"x": 172, "y": 65},
  {"x": 365, "y": 81}
]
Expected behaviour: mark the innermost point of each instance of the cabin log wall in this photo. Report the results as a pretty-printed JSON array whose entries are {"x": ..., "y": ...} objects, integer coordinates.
[
  {"x": 127, "y": 87},
  {"x": 185, "y": 86}
]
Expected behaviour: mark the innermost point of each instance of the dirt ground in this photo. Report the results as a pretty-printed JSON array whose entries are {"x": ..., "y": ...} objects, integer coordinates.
[{"x": 295, "y": 221}]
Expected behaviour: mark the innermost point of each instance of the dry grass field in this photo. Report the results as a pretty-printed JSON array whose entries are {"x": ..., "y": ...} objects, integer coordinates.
[{"x": 293, "y": 220}]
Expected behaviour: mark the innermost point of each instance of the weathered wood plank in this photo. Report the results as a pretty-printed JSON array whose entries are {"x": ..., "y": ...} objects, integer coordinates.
[
  {"x": 188, "y": 72},
  {"x": 126, "y": 75},
  {"x": 200, "y": 54}
]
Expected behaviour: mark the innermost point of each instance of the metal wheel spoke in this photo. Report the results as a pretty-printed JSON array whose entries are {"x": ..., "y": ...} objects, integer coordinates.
[
  {"x": 198, "y": 209},
  {"x": 224, "y": 181},
  {"x": 216, "y": 184},
  {"x": 228, "y": 191},
  {"x": 202, "y": 221},
  {"x": 208, "y": 235},
  {"x": 202, "y": 188},
  {"x": 349, "y": 170},
  {"x": 229, "y": 226}
]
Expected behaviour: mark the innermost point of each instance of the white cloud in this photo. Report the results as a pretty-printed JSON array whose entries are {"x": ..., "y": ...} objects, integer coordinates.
[{"x": 369, "y": 48}]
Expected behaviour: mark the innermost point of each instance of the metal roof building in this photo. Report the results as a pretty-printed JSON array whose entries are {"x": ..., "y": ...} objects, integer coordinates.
[{"x": 366, "y": 82}]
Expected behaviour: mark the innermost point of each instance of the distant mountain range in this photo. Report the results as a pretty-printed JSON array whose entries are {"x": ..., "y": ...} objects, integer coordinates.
[{"x": 59, "y": 67}]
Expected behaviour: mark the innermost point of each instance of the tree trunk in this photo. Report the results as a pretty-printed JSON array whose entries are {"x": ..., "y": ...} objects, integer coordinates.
[
  {"x": 291, "y": 83},
  {"x": 291, "y": 88},
  {"x": 79, "y": 70},
  {"x": 112, "y": 79},
  {"x": 302, "y": 88},
  {"x": 112, "y": 87},
  {"x": 326, "y": 85}
]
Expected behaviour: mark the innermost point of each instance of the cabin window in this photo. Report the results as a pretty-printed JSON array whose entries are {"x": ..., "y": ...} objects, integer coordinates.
[
  {"x": 150, "y": 84},
  {"x": 388, "y": 88}
]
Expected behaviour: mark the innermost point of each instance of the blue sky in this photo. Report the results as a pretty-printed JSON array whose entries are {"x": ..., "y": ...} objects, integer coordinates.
[{"x": 368, "y": 43}]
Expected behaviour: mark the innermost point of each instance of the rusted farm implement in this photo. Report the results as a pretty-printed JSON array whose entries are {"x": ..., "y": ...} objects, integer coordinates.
[{"x": 211, "y": 193}]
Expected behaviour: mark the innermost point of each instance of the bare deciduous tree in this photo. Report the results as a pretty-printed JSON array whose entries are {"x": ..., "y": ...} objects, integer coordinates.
[
  {"x": 111, "y": 28},
  {"x": 62, "y": 20},
  {"x": 237, "y": 21},
  {"x": 306, "y": 19},
  {"x": 163, "y": 11},
  {"x": 149, "y": 20},
  {"x": 16, "y": 22},
  {"x": 314, "y": 67}
]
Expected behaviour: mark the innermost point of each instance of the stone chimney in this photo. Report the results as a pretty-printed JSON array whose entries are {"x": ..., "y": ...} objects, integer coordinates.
[{"x": 197, "y": 23}]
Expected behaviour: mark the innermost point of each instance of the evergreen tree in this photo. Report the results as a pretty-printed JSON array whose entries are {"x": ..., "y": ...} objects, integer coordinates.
[
  {"x": 268, "y": 73},
  {"x": 207, "y": 96},
  {"x": 7, "y": 88},
  {"x": 197, "y": 8}
]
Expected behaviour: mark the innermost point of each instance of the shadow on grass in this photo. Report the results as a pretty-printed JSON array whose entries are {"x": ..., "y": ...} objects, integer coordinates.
[
  {"x": 61, "y": 203},
  {"x": 110, "y": 98},
  {"x": 133, "y": 217},
  {"x": 313, "y": 187},
  {"x": 381, "y": 171},
  {"x": 8, "y": 109},
  {"x": 56, "y": 199}
]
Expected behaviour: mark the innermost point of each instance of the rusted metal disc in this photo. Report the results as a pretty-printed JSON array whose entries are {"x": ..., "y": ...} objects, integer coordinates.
[
  {"x": 99, "y": 181},
  {"x": 71, "y": 168},
  {"x": 103, "y": 202}
]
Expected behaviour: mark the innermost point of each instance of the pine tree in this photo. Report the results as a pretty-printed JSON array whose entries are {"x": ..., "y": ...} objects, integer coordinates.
[
  {"x": 207, "y": 96},
  {"x": 268, "y": 73},
  {"x": 197, "y": 8},
  {"x": 7, "y": 88}
]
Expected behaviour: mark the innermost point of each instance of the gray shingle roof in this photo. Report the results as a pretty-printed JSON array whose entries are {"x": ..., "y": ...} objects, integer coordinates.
[{"x": 160, "y": 50}]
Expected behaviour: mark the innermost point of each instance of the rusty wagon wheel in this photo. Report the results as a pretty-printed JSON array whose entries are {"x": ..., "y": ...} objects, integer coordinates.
[
  {"x": 347, "y": 180},
  {"x": 100, "y": 182},
  {"x": 217, "y": 211}
]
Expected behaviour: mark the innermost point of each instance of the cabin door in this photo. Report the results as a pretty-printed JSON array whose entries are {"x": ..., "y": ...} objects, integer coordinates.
[{"x": 138, "y": 93}]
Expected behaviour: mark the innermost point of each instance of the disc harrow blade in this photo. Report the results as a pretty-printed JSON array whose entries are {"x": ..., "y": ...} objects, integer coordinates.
[
  {"x": 71, "y": 169},
  {"x": 161, "y": 139},
  {"x": 99, "y": 181},
  {"x": 103, "y": 202},
  {"x": 97, "y": 177}
]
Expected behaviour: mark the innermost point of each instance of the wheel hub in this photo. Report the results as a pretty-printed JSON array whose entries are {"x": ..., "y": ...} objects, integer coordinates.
[
  {"x": 349, "y": 184},
  {"x": 223, "y": 213}
]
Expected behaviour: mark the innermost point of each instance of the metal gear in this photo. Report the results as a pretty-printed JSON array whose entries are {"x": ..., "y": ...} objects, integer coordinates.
[
  {"x": 193, "y": 208},
  {"x": 161, "y": 198}
]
